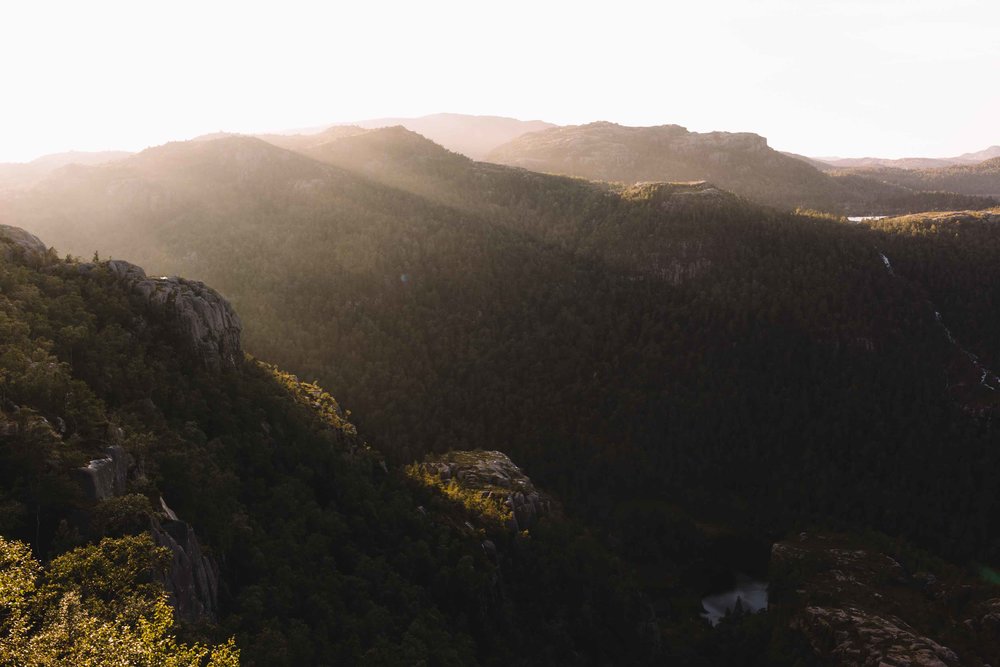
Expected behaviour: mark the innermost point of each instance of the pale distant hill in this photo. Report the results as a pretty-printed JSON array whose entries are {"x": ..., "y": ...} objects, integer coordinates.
[
  {"x": 980, "y": 156},
  {"x": 472, "y": 136},
  {"x": 981, "y": 178},
  {"x": 56, "y": 160},
  {"x": 816, "y": 162},
  {"x": 18, "y": 174},
  {"x": 911, "y": 162},
  {"x": 740, "y": 162},
  {"x": 898, "y": 163}
]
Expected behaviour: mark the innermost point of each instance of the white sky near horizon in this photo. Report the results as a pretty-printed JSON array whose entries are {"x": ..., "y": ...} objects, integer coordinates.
[{"x": 889, "y": 78}]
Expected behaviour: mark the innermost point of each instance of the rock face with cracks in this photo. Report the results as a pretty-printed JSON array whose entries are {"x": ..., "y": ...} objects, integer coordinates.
[
  {"x": 202, "y": 318},
  {"x": 193, "y": 580},
  {"x": 205, "y": 323},
  {"x": 105, "y": 477},
  {"x": 494, "y": 478},
  {"x": 199, "y": 316},
  {"x": 17, "y": 244},
  {"x": 858, "y": 603}
]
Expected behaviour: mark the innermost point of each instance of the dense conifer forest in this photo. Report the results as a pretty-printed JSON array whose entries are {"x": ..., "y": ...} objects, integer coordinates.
[{"x": 692, "y": 375}]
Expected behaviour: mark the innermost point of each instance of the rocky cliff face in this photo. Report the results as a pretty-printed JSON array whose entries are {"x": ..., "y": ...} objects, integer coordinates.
[
  {"x": 494, "y": 478},
  {"x": 857, "y": 606},
  {"x": 193, "y": 580},
  {"x": 106, "y": 477},
  {"x": 205, "y": 323},
  {"x": 201, "y": 318},
  {"x": 18, "y": 245}
]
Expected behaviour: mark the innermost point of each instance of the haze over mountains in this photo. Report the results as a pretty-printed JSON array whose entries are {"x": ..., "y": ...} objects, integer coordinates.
[
  {"x": 700, "y": 382},
  {"x": 26, "y": 173},
  {"x": 981, "y": 178},
  {"x": 742, "y": 162},
  {"x": 914, "y": 162},
  {"x": 472, "y": 136}
]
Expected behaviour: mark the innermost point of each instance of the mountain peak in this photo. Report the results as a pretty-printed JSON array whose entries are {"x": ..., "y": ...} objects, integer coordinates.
[{"x": 472, "y": 136}]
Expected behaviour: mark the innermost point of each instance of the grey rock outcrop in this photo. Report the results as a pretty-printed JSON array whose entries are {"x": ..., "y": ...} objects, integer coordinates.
[
  {"x": 854, "y": 636},
  {"x": 105, "y": 477},
  {"x": 857, "y": 606},
  {"x": 17, "y": 244},
  {"x": 193, "y": 580},
  {"x": 495, "y": 477},
  {"x": 199, "y": 315}
]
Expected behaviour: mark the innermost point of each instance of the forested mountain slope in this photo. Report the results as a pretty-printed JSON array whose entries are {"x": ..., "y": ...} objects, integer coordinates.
[
  {"x": 740, "y": 162},
  {"x": 128, "y": 409},
  {"x": 955, "y": 259},
  {"x": 975, "y": 179},
  {"x": 670, "y": 360}
]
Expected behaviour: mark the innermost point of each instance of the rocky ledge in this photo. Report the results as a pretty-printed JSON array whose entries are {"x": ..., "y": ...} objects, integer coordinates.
[
  {"x": 199, "y": 315},
  {"x": 856, "y": 605},
  {"x": 18, "y": 245},
  {"x": 107, "y": 476},
  {"x": 491, "y": 477},
  {"x": 193, "y": 580}
]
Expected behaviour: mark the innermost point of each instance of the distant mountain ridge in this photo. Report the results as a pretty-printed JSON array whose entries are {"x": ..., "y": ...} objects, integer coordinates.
[
  {"x": 979, "y": 179},
  {"x": 16, "y": 174},
  {"x": 472, "y": 136},
  {"x": 740, "y": 162},
  {"x": 912, "y": 162}
]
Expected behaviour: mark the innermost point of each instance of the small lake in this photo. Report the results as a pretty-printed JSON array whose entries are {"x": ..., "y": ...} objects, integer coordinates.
[
  {"x": 751, "y": 593},
  {"x": 863, "y": 218}
]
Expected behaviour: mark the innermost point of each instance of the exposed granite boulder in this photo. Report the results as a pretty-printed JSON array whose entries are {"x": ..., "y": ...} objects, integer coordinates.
[
  {"x": 856, "y": 605},
  {"x": 193, "y": 580},
  {"x": 494, "y": 478},
  {"x": 854, "y": 636},
  {"x": 18, "y": 245},
  {"x": 195, "y": 312},
  {"x": 105, "y": 477},
  {"x": 199, "y": 316}
]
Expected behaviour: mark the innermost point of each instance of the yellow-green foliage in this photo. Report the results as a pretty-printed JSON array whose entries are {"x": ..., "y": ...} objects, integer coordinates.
[
  {"x": 492, "y": 509},
  {"x": 93, "y": 606},
  {"x": 313, "y": 396}
]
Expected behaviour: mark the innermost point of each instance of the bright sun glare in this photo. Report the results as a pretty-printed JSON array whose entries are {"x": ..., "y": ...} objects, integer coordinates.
[{"x": 821, "y": 78}]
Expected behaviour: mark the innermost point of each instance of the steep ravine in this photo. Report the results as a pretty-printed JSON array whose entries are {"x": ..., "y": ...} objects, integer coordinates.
[{"x": 987, "y": 378}]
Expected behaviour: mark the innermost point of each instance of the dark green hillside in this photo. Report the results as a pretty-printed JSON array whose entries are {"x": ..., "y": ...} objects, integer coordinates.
[
  {"x": 740, "y": 162},
  {"x": 663, "y": 355},
  {"x": 320, "y": 554},
  {"x": 955, "y": 259}
]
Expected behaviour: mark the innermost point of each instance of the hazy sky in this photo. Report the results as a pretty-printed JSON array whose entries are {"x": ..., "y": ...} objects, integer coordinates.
[{"x": 844, "y": 77}]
